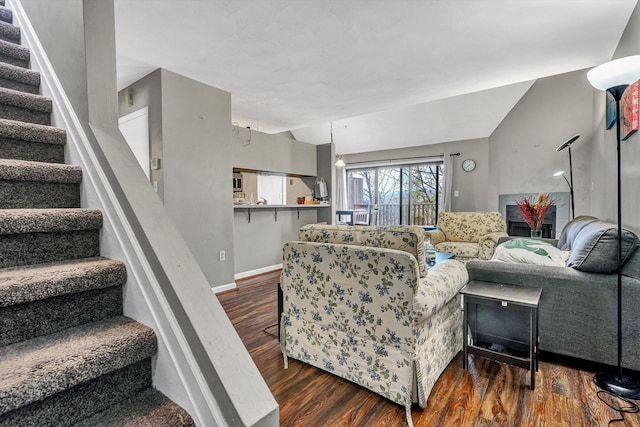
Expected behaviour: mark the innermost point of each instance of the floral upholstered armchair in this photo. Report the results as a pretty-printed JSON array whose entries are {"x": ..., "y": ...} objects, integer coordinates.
[
  {"x": 360, "y": 303},
  {"x": 468, "y": 235}
]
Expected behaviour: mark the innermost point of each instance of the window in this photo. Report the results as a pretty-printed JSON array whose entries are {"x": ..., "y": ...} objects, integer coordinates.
[
  {"x": 405, "y": 194},
  {"x": 272, "y": 189}
]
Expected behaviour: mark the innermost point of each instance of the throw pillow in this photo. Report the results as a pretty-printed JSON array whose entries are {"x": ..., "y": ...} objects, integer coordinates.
[
  {"x": 529, "y": 251},
  {"x": 572, "y": 229},
  {"x": 595, "y": 248}
]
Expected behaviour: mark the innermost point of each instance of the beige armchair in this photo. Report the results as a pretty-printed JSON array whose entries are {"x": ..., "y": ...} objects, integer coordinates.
[{"x": 468, "y": 235}]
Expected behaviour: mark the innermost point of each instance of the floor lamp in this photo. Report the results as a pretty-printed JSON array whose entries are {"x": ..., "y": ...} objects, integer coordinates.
[
  {"x": 567, "y": 144},
  {"x": 614, "y": 77}
]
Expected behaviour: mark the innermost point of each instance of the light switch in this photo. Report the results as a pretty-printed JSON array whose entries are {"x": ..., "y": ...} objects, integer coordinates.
[{"x": 456, "y": 193}]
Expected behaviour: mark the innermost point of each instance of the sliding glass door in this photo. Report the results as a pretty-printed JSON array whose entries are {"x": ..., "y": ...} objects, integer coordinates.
[
  {"x": 426, "y": 193},
  {"x": 406, "y": 194}
]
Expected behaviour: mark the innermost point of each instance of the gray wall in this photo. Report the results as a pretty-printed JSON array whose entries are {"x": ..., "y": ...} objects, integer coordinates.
[
  {"x": 65, "y": 50},
  {"x": 520, "y": 156},
  {"x": 189, "y": 130},
  {"x": 259, "y": 244},
  {"x": 326, "y": 169},
  {"x": 603, "y": 154},
  {"x": 471, "y": 185},
  {"x": 522, "y": 150},
  {"x": 196, "y": 140},
  {"x": 147, "y": 92},
  {"x": 271, "y": 153}
]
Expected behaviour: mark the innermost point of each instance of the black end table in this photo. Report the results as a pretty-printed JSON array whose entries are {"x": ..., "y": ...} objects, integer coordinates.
[{"x": 501, "y": 297}]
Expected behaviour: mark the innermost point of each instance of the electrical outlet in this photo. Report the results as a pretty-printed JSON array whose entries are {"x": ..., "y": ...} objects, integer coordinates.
[{"x": 223, "y": 255}]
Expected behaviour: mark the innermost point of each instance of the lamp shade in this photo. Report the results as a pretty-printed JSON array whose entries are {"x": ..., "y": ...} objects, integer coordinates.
[{"x": 614, "y": 73}]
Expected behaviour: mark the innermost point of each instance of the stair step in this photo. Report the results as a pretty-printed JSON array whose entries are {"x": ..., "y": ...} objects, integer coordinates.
[
  {"x": 20, "y": 79},
  {"x": 19, "y": 285},
  {"x": 14, "y": 54},
  {"x": 47, "y": 298},
  {"x": 37, "y": 236},
  {"x": 6, "y": 15},
  {"x": 38, "y": 185},
  {"x": 149, "y": 408},
  {"x": 24, "y": 170},
  {"x": 9, "y": 32},
  {"x": 25, "y": 107},
  {"x": 28, "y": 141},
  {"x": 77, "y": 403},
  {"x": 39, "y": 368}
]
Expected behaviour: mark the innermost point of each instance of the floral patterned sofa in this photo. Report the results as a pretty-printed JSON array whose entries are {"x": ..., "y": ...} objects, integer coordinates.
[
  {"x": 468, "y": 235},
  {"x": 360, "y": 303}
]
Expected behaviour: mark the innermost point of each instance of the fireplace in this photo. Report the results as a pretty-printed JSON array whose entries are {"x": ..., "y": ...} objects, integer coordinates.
[{"x": 517, "y": 227}]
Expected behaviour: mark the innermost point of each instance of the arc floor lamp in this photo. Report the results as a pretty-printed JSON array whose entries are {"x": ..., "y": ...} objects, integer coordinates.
[
  {"x": 614, "y": 77},
  {"x": 567, "y": 144}
]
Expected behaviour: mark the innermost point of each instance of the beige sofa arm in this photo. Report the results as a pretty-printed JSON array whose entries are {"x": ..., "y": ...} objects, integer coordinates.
[
  {"x": 487, "y": 244},
  {"x": 435, "y": 236}
]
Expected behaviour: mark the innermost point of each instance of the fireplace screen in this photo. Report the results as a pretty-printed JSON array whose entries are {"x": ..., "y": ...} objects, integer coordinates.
[{"x": 517, "y": 227}]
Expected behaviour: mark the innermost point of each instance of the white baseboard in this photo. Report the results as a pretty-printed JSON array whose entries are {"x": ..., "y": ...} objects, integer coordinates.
[
  {"x": 257, "y": 271},
  {"x": 222, "y": 288}
]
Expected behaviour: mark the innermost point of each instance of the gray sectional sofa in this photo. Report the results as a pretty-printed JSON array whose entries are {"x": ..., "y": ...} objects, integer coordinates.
[{"x": 578, "y": 307}]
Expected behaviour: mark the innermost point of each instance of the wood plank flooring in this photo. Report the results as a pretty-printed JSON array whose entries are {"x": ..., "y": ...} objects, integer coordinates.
[{"x": 488, "y": 394}]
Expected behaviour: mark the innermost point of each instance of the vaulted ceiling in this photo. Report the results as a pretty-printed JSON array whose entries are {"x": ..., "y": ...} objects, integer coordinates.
[{"x": 386, "y": 73}]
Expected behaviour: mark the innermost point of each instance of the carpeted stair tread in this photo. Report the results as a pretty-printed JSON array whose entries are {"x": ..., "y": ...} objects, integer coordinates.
[
  {"x": 77, "y": 403},
  {"x": 23, "y": 170},
  {"x": 19, "y": 78},
  {"x": 39, "y": 185},
  {"x": 17, "y": 221},
  {"x": 28, "y": 141},
  {"x": 19, "y": 285},
  {"x": 25, "y": 107},
  {"x": 14, "y": 54},
  {"x": 9, "y": 32},
  {"x": 6, "y": 15},
  {"x": 148, "y": 408},
  {"x": 27, "y": 101},
  {"x": 38, "y": 368},
  {"x": 17, "y": 130}
]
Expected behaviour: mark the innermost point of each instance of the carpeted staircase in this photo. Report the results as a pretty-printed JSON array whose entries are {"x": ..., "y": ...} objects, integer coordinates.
[{"x": 68, "y": 356}]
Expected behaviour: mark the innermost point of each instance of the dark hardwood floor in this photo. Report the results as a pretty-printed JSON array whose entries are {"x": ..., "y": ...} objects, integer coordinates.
[{"x": 488, "y": 394}]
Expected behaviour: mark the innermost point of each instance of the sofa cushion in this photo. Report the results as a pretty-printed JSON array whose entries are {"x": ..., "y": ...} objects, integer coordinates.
[
  {"x": 571, "y": 230},
  {"x": 529, "y": 251},
  {"x": 595, "y": 247},
  {"x": 408, "y": 238},
  {"x": 469, "y": 226},
  {"x": 462, "y": 250},
  {"x": 434, "y": 291}
]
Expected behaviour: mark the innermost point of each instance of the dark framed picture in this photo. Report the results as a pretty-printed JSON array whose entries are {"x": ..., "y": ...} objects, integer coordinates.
[
  {"x": 629, "y": 111},
  {"x": 611, "y": 110}
]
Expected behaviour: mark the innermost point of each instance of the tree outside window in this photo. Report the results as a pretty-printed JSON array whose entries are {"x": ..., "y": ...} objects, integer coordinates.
[{"x": 408, "y": 194}]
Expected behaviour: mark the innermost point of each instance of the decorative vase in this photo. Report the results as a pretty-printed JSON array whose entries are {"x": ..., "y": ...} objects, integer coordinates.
[{"x": 536, "y": 234}]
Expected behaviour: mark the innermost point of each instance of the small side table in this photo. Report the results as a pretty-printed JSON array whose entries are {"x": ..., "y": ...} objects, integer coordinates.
[
  {"x": 438, "y": 257},
  {"x": 504, "y": 297}
]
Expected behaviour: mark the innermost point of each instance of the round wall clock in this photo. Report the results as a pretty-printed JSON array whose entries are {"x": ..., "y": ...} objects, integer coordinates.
[{"x": 468, "y": 165}]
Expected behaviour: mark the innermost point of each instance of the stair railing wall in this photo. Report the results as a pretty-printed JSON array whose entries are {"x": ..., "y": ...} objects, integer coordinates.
[{"x": 201, "y": 362}]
